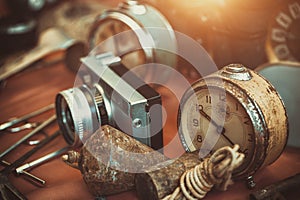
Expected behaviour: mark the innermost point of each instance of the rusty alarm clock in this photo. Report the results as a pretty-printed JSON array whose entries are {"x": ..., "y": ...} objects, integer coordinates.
[{"x": 234, "y": 105}]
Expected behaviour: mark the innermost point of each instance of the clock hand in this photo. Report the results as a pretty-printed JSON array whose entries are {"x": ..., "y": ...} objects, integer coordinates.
[
  {"x": 227, "y": 138},
  {"x": 220, "y": 129}
]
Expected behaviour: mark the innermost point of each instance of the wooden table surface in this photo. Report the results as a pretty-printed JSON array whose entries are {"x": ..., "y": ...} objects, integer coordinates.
[{"x": 37, "y": 87}]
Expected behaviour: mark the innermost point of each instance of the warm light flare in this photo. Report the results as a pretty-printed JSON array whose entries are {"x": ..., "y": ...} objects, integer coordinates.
[{"x": 196, "y": 3}]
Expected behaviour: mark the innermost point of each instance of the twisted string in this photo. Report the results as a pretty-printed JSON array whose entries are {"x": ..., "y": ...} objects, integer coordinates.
[{"x": 215, "y": 170}]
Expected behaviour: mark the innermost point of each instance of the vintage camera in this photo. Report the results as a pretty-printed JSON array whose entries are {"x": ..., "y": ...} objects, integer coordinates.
[{"x": 109, "y": 94}]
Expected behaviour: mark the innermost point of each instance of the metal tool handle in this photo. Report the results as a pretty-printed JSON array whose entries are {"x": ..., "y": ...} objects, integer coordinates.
[
  {"x": 36, "y": 130},
  {"x": 25, "y": 117},
  {"x": 41, "y": 160},
  {"x": 5, "y": 185},
  {"x": 19, "y": 161},
  {"x": 33, "y": 177}
]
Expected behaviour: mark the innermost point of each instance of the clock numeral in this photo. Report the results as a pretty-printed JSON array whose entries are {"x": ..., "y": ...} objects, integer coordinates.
[
  {"x": 208, "y": 99},
  {"x": 195, "y": 122},
  {"x": 282, "y": 51},
  {"x": 295, "y": 10},
  {"x": 284, "y": 20},
  {"x": 278, "y": 35},
  {"x": 199, "y": 138}
]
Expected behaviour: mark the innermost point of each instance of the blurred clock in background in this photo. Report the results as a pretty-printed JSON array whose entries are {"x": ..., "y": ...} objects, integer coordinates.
[
  {"x": 239, "y": 33},
  {"x": 232, "y": 31},
  {"x": 283, "y": 37}
]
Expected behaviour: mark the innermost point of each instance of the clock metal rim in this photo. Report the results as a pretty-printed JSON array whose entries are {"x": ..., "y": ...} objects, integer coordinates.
[
  {"x": 260, "y": 143},
  {"x": 266, "y": 133}
]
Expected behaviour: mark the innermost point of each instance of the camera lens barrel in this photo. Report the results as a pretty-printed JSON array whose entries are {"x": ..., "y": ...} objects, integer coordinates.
[
  {"x": 110, "y": 94},
  {"x": 80, "y": 112}
]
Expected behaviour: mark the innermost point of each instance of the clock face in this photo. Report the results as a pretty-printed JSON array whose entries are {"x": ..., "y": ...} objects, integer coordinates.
[
  {"x": 234, "y": 106},
  {"x": 212, "y": 119},
  {"x": 284, "y": 33},
  {"x": 115, "y": 36}
]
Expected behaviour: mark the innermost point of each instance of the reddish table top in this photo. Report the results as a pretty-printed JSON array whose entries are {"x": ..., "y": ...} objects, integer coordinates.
[{"x": 37, "y": 87}]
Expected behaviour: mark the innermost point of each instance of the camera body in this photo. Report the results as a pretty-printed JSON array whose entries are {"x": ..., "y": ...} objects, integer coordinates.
[{"x": 110, "y": 94}]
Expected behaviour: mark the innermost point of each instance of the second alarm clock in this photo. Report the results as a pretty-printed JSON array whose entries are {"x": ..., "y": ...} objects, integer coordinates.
[{"x": 282, "y": 43}]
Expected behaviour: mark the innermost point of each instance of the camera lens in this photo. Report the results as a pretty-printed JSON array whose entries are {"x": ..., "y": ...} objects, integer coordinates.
[
  {"x": 67, "y": 116},
  {"x": 80, "y": 112}
]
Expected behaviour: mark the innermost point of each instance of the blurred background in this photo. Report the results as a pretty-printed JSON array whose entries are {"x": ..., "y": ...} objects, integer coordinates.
[{"x": 251, "y": 32}]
